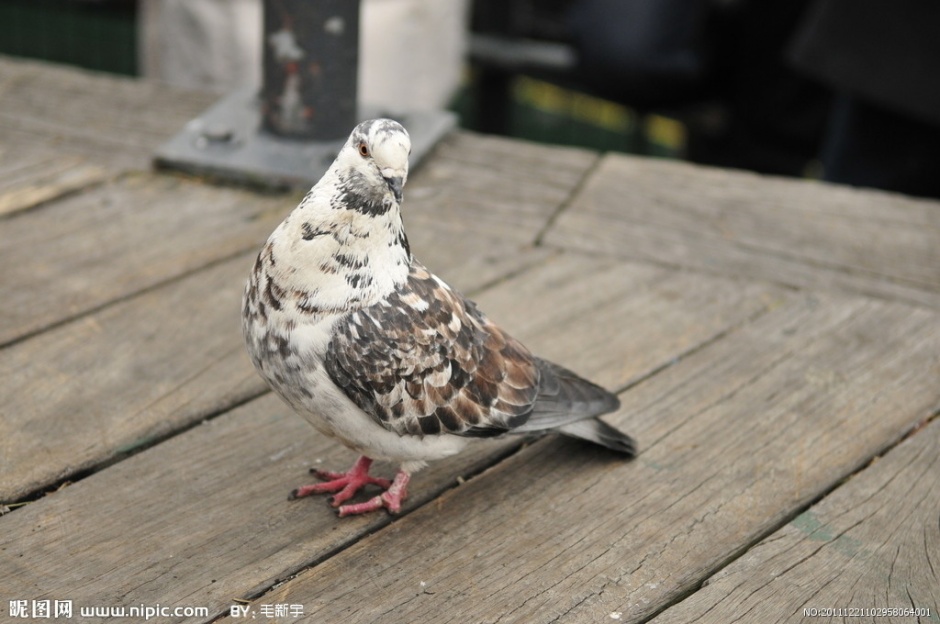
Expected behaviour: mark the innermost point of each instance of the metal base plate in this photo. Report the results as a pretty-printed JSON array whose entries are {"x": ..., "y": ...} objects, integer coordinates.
[{"x": 227, "y": 142}]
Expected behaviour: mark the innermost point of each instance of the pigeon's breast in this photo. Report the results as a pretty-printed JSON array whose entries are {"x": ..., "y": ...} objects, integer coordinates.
[{"x": 332, "y": 413}]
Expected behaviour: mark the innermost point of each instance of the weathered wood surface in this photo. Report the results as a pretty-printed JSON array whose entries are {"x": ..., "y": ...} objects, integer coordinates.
[
  {"x": 174, "y": 355},
  {"x": 203, "y": 518},
  {"x": 736, "y": 438},
  {"x": 29, "y": 178},
  {"x": 805, "y": 234},
  {"x": 768, "y": 338},
  {"x": 68, "y": 258},
  {"x": 111, "y": 121},
  {"x": 874, "y": 543},
  {"x": 62, "y": 261},
  {"x": 200, "y": 520},
  {"x": 142, "y": 231},
  {"x": 79, "y": 394}
]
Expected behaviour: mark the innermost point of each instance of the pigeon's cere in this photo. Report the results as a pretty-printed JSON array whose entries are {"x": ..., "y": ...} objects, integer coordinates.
[{"x": 378, "y": 352}]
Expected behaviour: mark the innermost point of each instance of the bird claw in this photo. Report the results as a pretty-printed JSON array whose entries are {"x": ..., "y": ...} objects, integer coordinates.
[
  {"x": 373, "y": 504},
  {"x": 391, "y": 499},
  {"x": 344, "y": 484}
]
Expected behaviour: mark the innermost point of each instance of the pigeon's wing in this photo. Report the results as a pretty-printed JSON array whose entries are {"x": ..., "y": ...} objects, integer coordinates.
[{"x": 425, "y": 361}]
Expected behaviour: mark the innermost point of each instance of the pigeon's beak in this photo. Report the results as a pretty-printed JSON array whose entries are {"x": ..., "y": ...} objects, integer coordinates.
[{"x": 395, "y": 183}]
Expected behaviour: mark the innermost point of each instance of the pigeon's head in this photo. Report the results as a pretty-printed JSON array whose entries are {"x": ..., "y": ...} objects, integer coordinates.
[{"x": 376, "y": 156}]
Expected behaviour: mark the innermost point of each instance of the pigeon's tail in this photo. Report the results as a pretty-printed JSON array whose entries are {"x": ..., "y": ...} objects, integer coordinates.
[
  {"x": 599, "y": 432},
  {"x": 571, "y": 404}
]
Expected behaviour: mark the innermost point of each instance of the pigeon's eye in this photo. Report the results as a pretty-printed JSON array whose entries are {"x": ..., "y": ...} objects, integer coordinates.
[{"x": 363, "y": 150}]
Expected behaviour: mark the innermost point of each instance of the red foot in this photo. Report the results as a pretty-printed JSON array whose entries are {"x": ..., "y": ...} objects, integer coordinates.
[
  {"x": 390, "y": 499},
  {"x": 345, "y": 484}
]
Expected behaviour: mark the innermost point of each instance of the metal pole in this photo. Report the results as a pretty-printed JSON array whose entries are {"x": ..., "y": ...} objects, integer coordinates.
[
  {"x": 311, "y": 60},
  {"x": 289, "y": 133}
]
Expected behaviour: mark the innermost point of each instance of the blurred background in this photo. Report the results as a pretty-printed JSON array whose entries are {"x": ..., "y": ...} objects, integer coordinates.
[{"x": 844, "y": 90}]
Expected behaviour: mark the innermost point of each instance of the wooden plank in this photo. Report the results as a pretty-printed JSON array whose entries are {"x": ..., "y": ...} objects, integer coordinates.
[
  {"x": 114, "y": 121},
  {"x": 497, "y": 186},
  {"x": 735, "y": 437},
  {"x": 871, "y": 544},
  {"x": 527, "y": 167},
  {"x": 29, "y": 178},
  {"x": 202, "y": 518},
  {"x": 80, "y": 253},
  {"x": 478, "y": 201},
  {"x": 174, "y": 356},
  {"x": 800, "y": 233},
  {"x": 78, "y": 395}
]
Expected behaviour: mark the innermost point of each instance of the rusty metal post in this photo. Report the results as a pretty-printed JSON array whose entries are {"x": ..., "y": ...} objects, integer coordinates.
[
  {"x": 311, "y": 60},
  {"x": 287, "y": 134}
]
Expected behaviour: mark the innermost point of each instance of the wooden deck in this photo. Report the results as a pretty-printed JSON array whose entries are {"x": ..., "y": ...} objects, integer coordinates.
[{"x": 775, "y": 344}]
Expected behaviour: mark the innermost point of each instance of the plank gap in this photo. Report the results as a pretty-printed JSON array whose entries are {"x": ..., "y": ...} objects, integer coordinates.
[
  {"x": 704, "y": 344},
  {"x": 491, "y": 462},
  {"x": 793, "y": 286},
  {"x": 87, "y": 471},
  {"x": 566, "y": 203},
  {"x": 121, "y": 299},
  {"x": 84, "y": 473},
  {"x": 819, "y": 263},
  {"x": 771, "y": 531}
]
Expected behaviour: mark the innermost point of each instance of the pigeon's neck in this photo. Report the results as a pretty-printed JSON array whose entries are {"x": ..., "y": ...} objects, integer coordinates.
[{"x": 335, "y": 260}]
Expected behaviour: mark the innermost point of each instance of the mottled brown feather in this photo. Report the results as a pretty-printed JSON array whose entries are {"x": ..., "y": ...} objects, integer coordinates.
[{"x": 390, "y": 359}]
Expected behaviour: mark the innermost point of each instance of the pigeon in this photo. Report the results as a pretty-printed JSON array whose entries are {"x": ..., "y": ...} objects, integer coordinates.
[{"x": 377, "y": 352}]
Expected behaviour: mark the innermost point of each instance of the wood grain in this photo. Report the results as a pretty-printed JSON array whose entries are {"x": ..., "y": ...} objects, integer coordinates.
[
  {"x": 142, "y": 231},
  {"x": 873, "y": 543},
  {"x": 511, "y": 195},
  {"x": 30, "y": 178},
  {"x": 467, "y": 215},
  {"x": 77, "y": 395},
  {"x": 78, "y": 254},
  {"x": 714, "y": 301},
  {"x": 82, "y": 393},
  {"x": 202, "y": 518},
  {"x": 735, "y": 437},
  {"x": 112, "y": 121},
  {"x": 800, "y": 233},
  {"x": 199, "y": 520}
]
